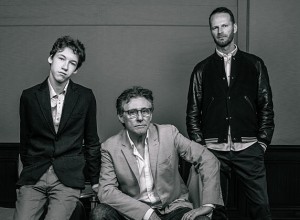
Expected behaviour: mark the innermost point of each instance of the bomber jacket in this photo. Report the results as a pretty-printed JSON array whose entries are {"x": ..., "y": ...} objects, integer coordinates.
[{"x": 245, "y": 105}]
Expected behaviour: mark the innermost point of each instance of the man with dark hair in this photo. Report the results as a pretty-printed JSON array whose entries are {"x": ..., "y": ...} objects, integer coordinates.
[
  {"x": 56, "y": 118},
  {"x": 230, "y": 110},
  {"x": 139, "y": 176}
]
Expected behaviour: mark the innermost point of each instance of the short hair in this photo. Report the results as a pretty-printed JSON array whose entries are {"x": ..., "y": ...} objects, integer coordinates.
[
  {"x": 134, "y": 92},
  {"x": 222, "y": 10},
  {"x": 67, "y": 41}
]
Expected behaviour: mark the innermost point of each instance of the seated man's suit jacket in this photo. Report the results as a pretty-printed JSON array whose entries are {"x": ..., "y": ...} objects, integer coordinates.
[
  {"x": 42, "y": 147},
  {"x": 118, "y": 183}
]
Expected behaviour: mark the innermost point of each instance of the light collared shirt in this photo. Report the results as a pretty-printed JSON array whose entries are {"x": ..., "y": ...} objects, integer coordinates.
[
  {"x": 146, "y": 182},
  {"x": 227, "y": 61},
  {"x": 230, "y": 145},
  {"x": 57, "y": 103}
]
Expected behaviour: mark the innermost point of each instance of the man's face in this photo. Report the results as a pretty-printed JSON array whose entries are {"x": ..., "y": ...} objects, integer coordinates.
[
  {"x": 222, "y": 29},
  {"x": 63, "y": 65},
  {"x": 136, "y": 126}
]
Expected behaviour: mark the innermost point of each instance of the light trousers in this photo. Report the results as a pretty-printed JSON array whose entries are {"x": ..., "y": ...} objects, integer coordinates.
[{"x": 31, "y": 199}]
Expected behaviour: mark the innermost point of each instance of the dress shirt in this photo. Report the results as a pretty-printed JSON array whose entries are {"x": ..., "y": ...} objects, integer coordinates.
[
  {"x": 146, "y": 183},
  {"x": 57, "y": 103}
]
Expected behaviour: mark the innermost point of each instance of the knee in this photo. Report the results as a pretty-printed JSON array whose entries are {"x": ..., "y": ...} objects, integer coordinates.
[{"x": 102, "y": 212}]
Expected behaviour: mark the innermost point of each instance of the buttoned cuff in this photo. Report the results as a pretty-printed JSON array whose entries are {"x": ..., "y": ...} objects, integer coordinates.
[
  {"x": 95, "y": 187},
  {"x": 263, "y": 145},
  {"x": 210, "y": 205}
]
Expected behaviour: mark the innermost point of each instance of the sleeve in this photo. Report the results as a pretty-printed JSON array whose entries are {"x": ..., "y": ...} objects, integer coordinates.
[
  {"x": 91, "y": 142},
  {"x": 194, "y": 106},
  {"x": 23, "y": 127},
  {"x": 265, "y": 111},
  {"x": 206, "y": 165}
]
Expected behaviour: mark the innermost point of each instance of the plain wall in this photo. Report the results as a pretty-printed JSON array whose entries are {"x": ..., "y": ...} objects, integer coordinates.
[
  {"x": 274, "y": 36},
  {"x": 151, "y": 43}
]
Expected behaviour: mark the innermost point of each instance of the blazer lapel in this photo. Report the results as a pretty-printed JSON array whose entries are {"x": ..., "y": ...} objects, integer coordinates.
[
  {"x": 43, "y": 96},
  {"x": 153, "y": 149},
  {"x": 130, "y": 158},
  {"x": 69, "y": 104}
]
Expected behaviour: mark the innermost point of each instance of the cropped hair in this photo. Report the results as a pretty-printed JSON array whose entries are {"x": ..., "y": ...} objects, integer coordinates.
[
  {"x": 134, "y": 92},
  {"x": 222, "y": 10},
  {"x": 67, "y": 41}
]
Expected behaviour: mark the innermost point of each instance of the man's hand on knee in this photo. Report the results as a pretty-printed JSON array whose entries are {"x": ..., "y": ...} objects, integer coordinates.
[{"x": 198, "y": 213}]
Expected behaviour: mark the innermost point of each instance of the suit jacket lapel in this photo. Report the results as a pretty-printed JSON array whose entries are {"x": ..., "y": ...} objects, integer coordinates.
[
  {"x": 153, "y": 152},
  {"x": 153, "y": 149},
  {"x": 43, "y": 96},
  {"x": 69, "y": 104},
  {"x": 128, "y": 153}
]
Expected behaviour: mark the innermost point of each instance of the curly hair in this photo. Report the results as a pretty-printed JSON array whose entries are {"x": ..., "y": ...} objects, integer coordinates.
[
  {"x": 67, "y": 41},
  {"x": 134, "y": 92}
]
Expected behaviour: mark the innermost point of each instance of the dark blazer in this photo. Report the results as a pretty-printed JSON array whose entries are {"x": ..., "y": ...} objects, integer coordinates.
[
  {"x": 41, "y": 146},
  {"x": 119, "y": 178}
]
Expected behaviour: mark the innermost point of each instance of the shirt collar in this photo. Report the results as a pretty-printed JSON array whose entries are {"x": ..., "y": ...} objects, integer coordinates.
[
  {"x": 131, "y": 142},
  {"x": 232, "y": 53},
  {"x": 52, "y": 92}
]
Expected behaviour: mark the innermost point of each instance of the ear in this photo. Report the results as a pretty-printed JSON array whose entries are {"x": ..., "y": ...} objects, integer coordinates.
[
  {"x": 76, "y": 71},
  {"x": 50, "y": 60},
  {"x": 234, "y": 28},
  {"x": 121, "y": 119}
]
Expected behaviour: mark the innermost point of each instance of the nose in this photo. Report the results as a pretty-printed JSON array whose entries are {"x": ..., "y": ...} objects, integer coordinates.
[
  {"x": 65, "y": 66},
  {"x": 139, "y": 116},
  {"x": 220, "y": 30}
]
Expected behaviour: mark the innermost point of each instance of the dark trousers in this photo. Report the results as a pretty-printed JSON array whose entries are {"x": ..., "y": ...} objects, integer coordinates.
[
  {"x": 106, "y": 212},
  {"x": 249, "y": 167}
]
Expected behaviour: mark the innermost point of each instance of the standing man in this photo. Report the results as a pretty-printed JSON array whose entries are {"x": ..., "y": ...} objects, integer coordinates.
[
  {"x": 230, "y": 110},
  {"x": 57, "y": 117},
  {"x": 139, "y": 176}
]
